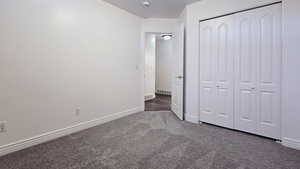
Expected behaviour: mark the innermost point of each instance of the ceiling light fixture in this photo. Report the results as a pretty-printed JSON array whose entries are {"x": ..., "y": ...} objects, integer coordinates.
[
  {"x": 146, "y": 3},
  {"x": 166, "y": 36}
]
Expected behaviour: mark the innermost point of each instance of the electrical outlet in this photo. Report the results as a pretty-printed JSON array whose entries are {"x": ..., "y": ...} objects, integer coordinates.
[
  {"x": 77, "y": 112},
  {"x": 3, "y": 127}
]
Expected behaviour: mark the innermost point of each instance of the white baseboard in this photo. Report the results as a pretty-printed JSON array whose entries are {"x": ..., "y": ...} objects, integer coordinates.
[
  {"x": 292, "y": 143},
  {"x": 163, "y": 92},
  {"x": 149, "y": 97},
  {"x": 191, "y": 119},
  {"x": 22, "y": 144}
]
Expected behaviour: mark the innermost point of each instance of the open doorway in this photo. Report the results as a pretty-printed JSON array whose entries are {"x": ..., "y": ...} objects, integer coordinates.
[
  {"x": 159, "y": 52},
  {"x": 164, "y": 71}
]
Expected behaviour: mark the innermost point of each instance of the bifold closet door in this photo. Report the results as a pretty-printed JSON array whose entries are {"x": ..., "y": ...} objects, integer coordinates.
[
  {"x": 240, "y": 71},
  {"x": 258, "y": 70},
  {"x": 216, "y": 71}
]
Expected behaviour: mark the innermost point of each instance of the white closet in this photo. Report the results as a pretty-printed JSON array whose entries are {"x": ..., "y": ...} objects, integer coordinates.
[{"x": 240, "y": 70}]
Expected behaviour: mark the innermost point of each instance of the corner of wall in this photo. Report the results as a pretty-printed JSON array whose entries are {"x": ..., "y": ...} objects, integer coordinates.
[
  {"x": 291, "y": 143},
  {"x": 192, "y": 119}
]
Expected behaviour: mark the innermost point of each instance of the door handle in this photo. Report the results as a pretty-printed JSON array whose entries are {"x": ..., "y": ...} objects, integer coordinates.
[{"x": 179, "y": 77}]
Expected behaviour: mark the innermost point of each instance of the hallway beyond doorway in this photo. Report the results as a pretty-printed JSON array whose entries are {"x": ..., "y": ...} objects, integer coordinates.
[{"x": 161, "y": 102}]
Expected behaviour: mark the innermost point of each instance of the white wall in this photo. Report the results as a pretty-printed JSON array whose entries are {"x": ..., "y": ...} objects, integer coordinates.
[
  {"x": 291, "y": 36},
  {"x": 155, "y": 25},
  {"x": 59, "y": 55},
  {"x": 150, "y": 65},
  {"x": 291, "y": 79},
  {"x": 183, "y": 16},
  {"x": 164, "y": 57}
]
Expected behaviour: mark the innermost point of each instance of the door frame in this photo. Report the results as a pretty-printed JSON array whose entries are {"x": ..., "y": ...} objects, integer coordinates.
[{"x": 141, "y": 67}]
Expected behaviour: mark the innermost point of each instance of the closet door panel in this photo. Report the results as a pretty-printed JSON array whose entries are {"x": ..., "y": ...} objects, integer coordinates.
[
  {"x": 246, "y": 72},
  {"x": 216, "y": 71},
  {"x": 207, "y": 79},
  {"x": 269, "y": 79},
  {"x": 258, "y": 71},
  {"x": 224, "y": 70}
]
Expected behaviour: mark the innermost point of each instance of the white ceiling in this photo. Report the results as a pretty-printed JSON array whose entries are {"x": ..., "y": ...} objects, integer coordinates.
[{"x": 158, "y": 8}]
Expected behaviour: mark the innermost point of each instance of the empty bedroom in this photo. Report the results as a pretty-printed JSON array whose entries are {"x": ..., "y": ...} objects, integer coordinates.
[{"x": 149, "y": 84}]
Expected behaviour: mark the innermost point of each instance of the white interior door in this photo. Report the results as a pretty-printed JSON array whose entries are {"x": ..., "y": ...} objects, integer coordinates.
[
  {"x": 207, "y": 72},
  {"x": 258, "y": 69},
  {"x": 178, "y": 74},
  {"x": 216, "y": 71}
]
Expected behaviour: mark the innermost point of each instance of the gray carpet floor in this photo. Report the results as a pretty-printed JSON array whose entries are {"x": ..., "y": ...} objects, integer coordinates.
[{"x": 155, "y": 140}]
